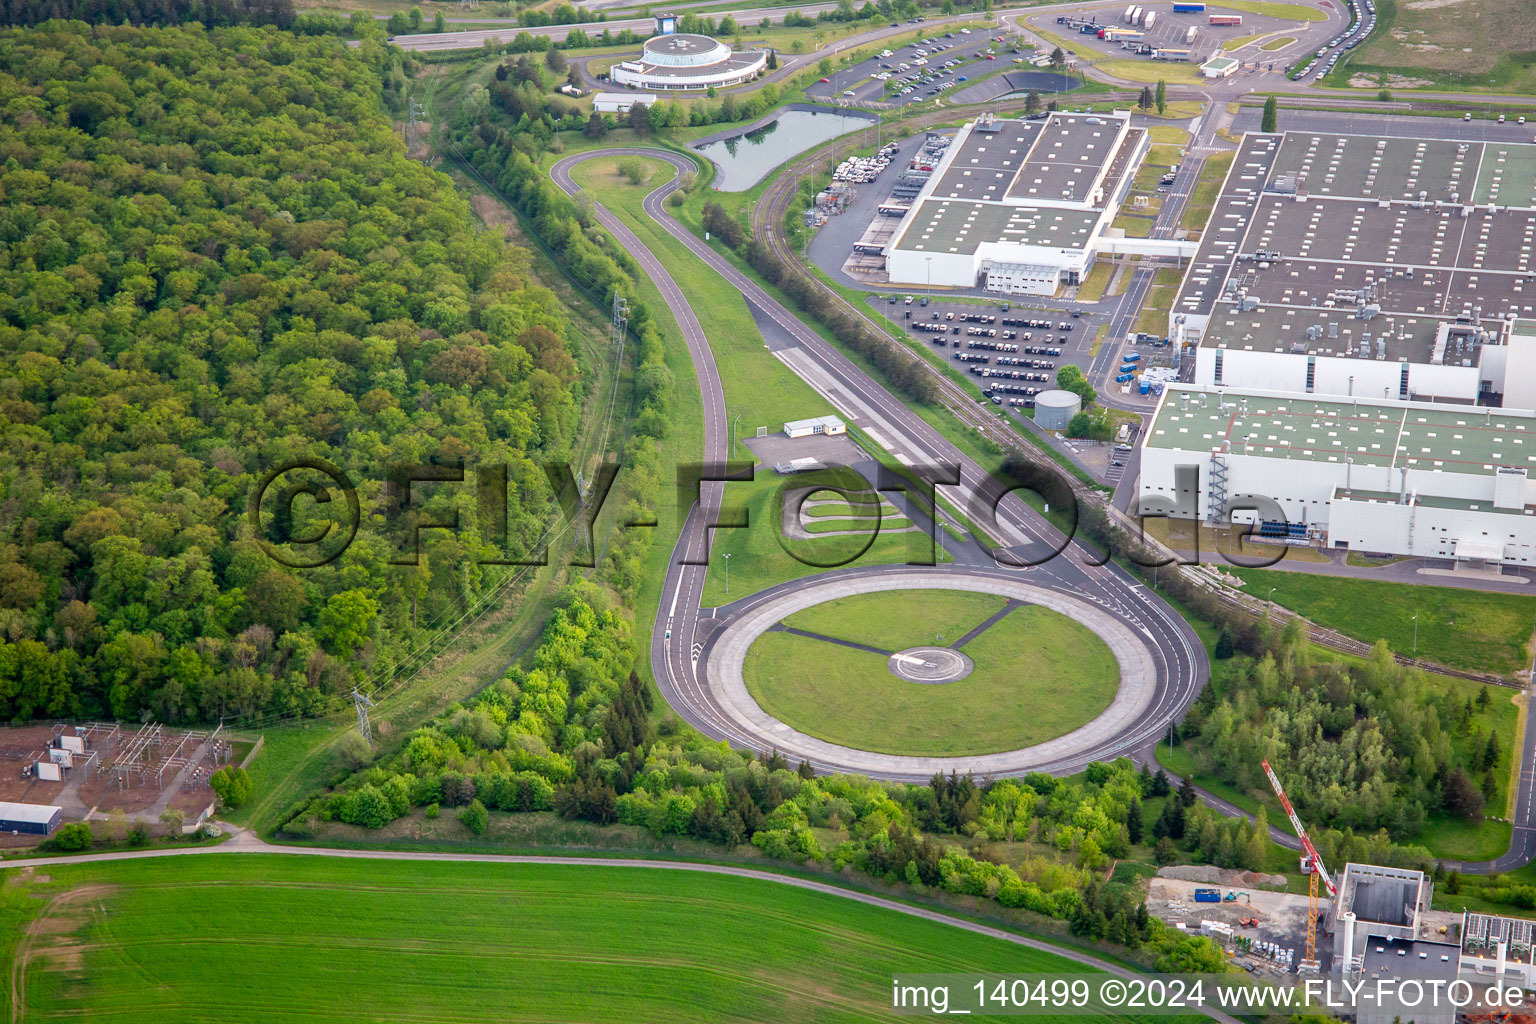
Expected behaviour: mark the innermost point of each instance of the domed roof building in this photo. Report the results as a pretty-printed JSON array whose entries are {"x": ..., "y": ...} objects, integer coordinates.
[{"x": 674, "y": 62}]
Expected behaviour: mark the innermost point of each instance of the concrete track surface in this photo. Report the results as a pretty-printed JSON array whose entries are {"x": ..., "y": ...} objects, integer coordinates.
[
  {"x": 1178, "y": 660},
  {"x": 726, "y": 652}
]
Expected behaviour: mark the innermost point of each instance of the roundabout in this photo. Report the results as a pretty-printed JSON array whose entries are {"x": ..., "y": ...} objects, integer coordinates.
[{"x": 1013, "y": 676}]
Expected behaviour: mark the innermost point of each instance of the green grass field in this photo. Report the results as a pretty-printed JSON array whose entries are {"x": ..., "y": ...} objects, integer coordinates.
[
  {"x": 1038, "y": 675},
  {"x": 1466, "y": 629},
  {"x": 894, "y": 620},
  {"x": 287, "y": 939},
  {"x": 1466, "y": 46}
]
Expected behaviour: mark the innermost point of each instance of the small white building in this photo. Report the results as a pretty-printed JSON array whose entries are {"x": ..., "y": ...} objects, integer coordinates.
[
  {"x": 1220, "y": 67},
  {"x": 620, "y": 102},
  {"x": 825, "y": 426}
]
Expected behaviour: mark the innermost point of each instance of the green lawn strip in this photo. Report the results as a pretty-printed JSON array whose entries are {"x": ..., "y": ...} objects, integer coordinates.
[
  {"x": 1092, "y": 288},
  {"x": 1272, "y": 9},
  {"x": 290, "y": 938},
  {"x": 1149, "y": 72},
  {"x": 1098, "y": 340},
  {"x": 1202, "y": 198},
  {"x": 757, "y": 386},
  {"x": 1134, "y": 226},
  {"x": 1466, "y": 629},
  {"x": 1153, "y": 318},
  {"x": 1237, "y": 41},
  {"x": 1277, "y": 43},
  {"x": 1168, "y": 135},
  {"x": 894, "y": 620},
  {"x": 865, "y": 509},
  {"x": 1038, "y": 675},
  {"x": 862, "y": 524}
]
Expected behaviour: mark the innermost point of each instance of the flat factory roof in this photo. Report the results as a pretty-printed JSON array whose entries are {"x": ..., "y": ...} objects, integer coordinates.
[
  {"x": 1057, "y": 159},
  {"x": 951, "y": 226},
  {"x": 1311, "y": 226},
  {"x": 1380, "y": 433},
  {"x": 1402, "y": 960}
]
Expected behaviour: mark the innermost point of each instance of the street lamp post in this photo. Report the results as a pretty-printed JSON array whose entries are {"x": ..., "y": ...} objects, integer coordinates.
[
  {"x": 1415, "y": 636},
  {"x": 727, "y": 574}
]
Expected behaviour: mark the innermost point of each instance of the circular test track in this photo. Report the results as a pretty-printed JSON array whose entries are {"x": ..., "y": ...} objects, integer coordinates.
[
  {"x": 725, "y": 654},
  {"x": 685, "y": 635}
]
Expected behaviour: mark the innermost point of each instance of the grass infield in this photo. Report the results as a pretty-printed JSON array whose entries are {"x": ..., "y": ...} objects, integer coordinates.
[{"x": 1038, "y": 675}]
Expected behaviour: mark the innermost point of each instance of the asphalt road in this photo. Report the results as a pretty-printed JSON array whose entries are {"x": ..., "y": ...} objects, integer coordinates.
[{"x": 678, "y": 641}]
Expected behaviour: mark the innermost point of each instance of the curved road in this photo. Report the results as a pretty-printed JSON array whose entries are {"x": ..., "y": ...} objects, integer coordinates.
[
  {"x": 244, "y": 842},
  {"x": 681, "y": 633}
]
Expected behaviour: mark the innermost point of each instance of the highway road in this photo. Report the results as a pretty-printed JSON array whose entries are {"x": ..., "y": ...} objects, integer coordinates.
[{"x": 678, "y": 641}]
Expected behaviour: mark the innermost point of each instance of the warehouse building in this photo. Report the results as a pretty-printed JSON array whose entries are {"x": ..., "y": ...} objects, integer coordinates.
[
  {"x": 1018, "y": 206},
  {"x": 1360, "y": 266},
  {"x": 688, "y": 62},
  {"x": 620, "y": 102},
  {"x": 1417, "y": 479},
  {"x": 29, "y": 819}
]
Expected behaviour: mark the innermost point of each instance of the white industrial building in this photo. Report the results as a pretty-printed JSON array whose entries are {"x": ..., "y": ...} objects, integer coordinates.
[
  {"x": 688, "y": 62},
  {"x": 1018, "y": 206},
  {"x": 1359, "y": 266},
  {"x": 1397, "y": 477},
  {"x": 620, "y": 102},
  {"x": 817, "y": 426}
]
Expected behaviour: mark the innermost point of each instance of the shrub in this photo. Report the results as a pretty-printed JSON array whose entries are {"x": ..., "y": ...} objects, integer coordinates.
[
  {"x": 475, "y": 817},
  {"x": 76, "y": 835},
  {"x": 231, "y": 785}
]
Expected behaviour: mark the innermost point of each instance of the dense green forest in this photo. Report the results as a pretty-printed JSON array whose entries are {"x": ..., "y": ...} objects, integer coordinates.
[
  {"x": 1370, "y": 747},
  {"x": 217, "y": 258},
  {"x": 151, "y": 12}
]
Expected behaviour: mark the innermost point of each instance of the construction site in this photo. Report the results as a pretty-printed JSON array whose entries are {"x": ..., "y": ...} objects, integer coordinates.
[{"x": 98, "y": 768}]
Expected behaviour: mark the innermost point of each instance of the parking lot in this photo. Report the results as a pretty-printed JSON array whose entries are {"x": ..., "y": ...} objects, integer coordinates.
[
  {"x": 1171, "y": 34},
  {"x": 1011, "y": 350},
  {"x": 920, "y": 70}
]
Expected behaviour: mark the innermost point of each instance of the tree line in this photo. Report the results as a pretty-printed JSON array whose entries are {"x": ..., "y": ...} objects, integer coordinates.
[{"x": 574, "y": 732}]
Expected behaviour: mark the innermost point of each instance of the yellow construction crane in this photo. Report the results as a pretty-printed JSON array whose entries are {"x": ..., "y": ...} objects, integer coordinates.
[{"x": 1312, "y": 867}]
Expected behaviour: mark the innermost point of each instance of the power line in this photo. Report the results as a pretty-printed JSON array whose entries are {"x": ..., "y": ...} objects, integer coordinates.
[{"x": 361, "y": 701}]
